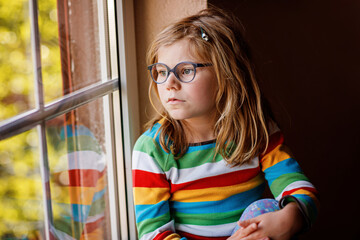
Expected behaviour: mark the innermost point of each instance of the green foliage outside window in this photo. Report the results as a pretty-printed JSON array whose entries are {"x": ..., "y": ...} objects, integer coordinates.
[{"x": 21, "y": 194}]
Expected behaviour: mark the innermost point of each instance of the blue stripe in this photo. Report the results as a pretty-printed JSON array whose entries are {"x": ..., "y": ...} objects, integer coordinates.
[
  {"x": 152, "y": 131},
  {"x": 77, "y": 212},
  {"x": 235, "y": 202},
  {"x": 80, "y": 212},
  {"x": 286, "y": 166},
  {"x": 80, "y": 130},
  {"x": 98, "y": 195},
  {"x": 201, "y": 147},
  {"x": 149, "y": 211}
]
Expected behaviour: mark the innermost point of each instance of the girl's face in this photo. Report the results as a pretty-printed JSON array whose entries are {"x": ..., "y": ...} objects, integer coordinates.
[{"x": 193, "y": 101}]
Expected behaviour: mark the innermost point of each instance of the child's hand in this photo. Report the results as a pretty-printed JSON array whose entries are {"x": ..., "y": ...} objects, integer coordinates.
[
  {"x": 245, "y": 231},
  {"x": 278, "y": 225}
]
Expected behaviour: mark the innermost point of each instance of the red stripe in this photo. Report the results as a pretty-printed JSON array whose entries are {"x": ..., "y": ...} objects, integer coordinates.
[
  {"x": 310, "y": 189},
  {"x": 52, "y": 237},
  {"x": 84, "y": 177},
  {"x": 79, "y": 177},
  {"x": 163, "y": 235},
  {"x": 92, "y": 226},
  {"x": 190, "y": 236},
  {"x": 275, "y": 140},
  {"x": 147, "y": 179},
  {"x": 222, "y": 180}
]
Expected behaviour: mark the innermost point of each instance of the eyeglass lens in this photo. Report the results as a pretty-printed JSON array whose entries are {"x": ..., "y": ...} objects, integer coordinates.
[{"x": 184, "y": 72}]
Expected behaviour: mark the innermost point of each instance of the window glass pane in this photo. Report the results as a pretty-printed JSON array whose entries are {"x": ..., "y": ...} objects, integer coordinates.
[
  {"x": 50, "y": 50},
  {"x": 21, "y": 195},
  {"x": 73, "y": 45},
  {"x": 16, "y": 69},
  {"x": 78, "y": 174}
]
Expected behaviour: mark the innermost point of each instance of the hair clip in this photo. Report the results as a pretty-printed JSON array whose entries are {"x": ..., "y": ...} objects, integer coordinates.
[{"x": 204, "y": 35}]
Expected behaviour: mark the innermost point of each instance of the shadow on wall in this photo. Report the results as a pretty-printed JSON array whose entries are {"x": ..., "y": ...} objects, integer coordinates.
[{"x": 307, "y": 59}]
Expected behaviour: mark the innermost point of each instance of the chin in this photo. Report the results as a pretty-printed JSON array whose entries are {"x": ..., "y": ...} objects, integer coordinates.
[{"x": 178, "y": 116}]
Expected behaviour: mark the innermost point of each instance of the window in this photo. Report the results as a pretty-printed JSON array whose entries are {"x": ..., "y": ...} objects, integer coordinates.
[{"x": 66, "y": 125}]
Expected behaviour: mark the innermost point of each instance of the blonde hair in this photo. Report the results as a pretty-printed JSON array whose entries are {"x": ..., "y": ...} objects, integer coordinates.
[{"x": 240, "y": 129}]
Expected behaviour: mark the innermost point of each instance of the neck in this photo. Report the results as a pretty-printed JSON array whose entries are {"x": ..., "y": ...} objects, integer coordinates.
[{"x": 199, "y": 131}]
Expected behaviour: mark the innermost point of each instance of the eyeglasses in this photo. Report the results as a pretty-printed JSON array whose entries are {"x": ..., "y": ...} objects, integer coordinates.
[{"x": 183, "y": 71}]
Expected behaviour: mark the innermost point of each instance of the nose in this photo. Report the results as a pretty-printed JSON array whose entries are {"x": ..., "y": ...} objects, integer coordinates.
[{"x": 172, "y": 83}]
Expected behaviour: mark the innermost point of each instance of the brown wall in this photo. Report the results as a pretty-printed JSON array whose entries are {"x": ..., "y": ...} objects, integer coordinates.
[
  {"x": 150, "y": 17},
  {"x": 307, "y": 54}
]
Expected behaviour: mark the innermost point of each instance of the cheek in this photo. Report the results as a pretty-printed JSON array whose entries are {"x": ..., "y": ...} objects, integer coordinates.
[
  {"x": 207, "y": 89},
  {"x": 204, "y": 94},
  {"x": 160, "y": 91}
]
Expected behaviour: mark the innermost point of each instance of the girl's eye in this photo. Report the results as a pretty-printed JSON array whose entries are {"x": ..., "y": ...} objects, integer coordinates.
[
  {"x": 162, "y": 73},
  {"x": 187, "y": 71}
]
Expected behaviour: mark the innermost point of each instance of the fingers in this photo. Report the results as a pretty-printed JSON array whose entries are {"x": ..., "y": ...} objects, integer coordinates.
[
  {"x": 251, "y": 231},
  {"x": 245, "y": 231},
  {"x": 254, "y": 238},
  {"x": 247, "y": 222}
]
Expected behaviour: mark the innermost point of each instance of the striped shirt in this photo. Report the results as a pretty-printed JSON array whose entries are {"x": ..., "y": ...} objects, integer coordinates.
[
  {"x": 80, "y": 185},
  {"x": 201, "y": 197}
]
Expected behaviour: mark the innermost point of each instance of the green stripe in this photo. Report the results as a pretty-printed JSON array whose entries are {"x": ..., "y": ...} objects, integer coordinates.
[
  {"x": 97, "y": 207},
  {"x": 69, "y": 227},
  {"x": 279, "y": 184},
  {"x": 83, "y": 143},
  {"x": 152, "y": 224},
  {"x": 149, "y": 146},
  {"x": 166, "y": 161},
  {"x": 208, "y": 219},
  {"x": 144, "y": 143},
  {"x": 194, "y": 159}
]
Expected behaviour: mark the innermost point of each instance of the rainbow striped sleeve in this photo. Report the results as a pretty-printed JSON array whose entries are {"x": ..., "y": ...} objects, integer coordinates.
[
  {"x": 79, "y": 184},
  {"x": 151, "y": 190},
  {"x": 286, "y": 180}
]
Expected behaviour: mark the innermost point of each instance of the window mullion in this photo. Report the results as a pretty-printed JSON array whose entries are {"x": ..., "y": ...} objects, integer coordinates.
[
  {"x": 45, "y": 178},
  {"x": 36, "y": 52},
  {"x": 39, "y": 92}
]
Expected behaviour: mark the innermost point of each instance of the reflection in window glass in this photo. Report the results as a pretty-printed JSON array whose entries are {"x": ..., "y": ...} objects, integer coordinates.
[
  {"x": 78, "y": 174},
  {"x": 16, "y": 69},
  {"x": 70, "y": 45},
  {"x": 21, "y": 196}
]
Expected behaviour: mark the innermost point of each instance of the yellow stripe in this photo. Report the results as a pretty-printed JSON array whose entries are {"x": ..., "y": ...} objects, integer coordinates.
[
  {"x": 173, "y": 236},
  {"x": 303, "y": 191},
  {"x": 94, "y": 235},
  {"x": 144, "y": 195},
  {"x": 81, "y": 195},
  {"x": 217, "y": 193},
  {"x": 310, "y": 194},
  {"x": 101, "y": 183},
  {"x": 161, "y": 121},
  {"x": 277, "y": 155},
  {"x": 74, "y": 195}
]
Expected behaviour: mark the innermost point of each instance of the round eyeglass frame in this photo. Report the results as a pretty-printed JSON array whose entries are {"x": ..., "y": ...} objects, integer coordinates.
[{"x": 173, "y": 70}]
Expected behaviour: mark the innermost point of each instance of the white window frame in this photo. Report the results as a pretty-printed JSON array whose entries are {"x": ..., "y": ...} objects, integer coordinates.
[{"x": 130, "y": 111}]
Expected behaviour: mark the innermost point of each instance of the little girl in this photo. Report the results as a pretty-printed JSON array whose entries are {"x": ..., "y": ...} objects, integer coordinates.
[{"x": 208, "y": 154}]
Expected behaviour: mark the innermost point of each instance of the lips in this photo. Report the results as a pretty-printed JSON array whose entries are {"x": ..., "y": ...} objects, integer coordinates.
[{"x": 174, "y": 100}]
